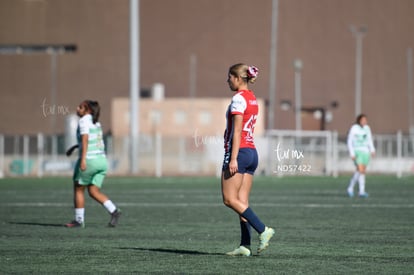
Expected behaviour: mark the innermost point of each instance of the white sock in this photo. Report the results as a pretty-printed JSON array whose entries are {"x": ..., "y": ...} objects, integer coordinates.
[
  {"x": 110, "y": 206},
  {"x": 362, "y": 184},
  {"x": 353, "y": 181},
  {"x": 80, "y": 215}
]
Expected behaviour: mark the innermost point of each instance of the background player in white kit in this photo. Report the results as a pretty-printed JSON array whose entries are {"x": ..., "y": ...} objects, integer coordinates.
[{"x": 361, "y": 148}]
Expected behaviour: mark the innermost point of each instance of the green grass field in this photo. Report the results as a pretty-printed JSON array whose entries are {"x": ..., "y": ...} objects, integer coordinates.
[{"x": 180, "y": 226}]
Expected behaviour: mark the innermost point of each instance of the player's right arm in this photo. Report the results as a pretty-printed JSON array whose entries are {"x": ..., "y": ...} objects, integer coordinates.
[
  {"x": 237, "y": 107},
  {"x": 84, "y": 132},
  {"x": 350, "y": 142},
  {"x": 370, "y": 142},
  {"x": 237, "y": 132}
]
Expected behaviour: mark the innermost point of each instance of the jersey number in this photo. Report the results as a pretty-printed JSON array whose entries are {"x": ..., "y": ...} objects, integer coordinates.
[{"x": 249, "y": 126}]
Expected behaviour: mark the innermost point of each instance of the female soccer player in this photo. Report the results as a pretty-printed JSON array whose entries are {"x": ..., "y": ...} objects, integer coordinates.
[
  {"x": 360, "y": 148},
  {"x": 240, "y": 157},
  {"x": 91, "y": 167}
]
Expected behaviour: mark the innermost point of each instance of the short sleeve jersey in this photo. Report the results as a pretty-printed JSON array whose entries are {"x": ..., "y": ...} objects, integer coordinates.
[
  {"x": 243, "y": 103},
  {"x": 360, "y": 139},
  {"x": 96, "y": 146}
]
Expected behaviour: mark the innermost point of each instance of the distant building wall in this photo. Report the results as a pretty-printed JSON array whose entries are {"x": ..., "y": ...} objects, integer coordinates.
[
  {"x": 216, "y": 34},
  {"x": 177, "y": 117}
]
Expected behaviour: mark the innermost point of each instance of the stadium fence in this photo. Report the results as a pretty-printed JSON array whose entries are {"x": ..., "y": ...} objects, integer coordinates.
[{"x": 281, "y": 153}]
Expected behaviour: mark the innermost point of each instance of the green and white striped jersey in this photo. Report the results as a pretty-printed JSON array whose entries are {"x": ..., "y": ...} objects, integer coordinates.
[
  {"x": 96, "y": 146},
  {"x": 360, "y": 139}
]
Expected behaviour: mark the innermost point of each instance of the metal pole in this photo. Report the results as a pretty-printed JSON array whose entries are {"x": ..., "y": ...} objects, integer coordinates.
[
  {"x": 298, "y": 65},
  {"x": 53, "y": 89},
  {"x": 192, "y": 86},
  {"x": 399, "y": 154},
  {"x": 323, "y": 119},
  {"x": 1, "y": 156},
  {"x": 328, "y": 154},
  {"x": 158, "y": 154},
  {"x": 335, "y": 153},
  {"x": 359, "y": 35},
  {"x": 410, "y": 90},
  {"x": 193, "y": 75},
  {"x": 134, "y": 84},
  {"x": 298, "y": 101},
  {"x": 358, "y": 75},
  {"x": 26, "y": 165},
  {"x": 273, "y": 62},
  {"x": 272, "y": 79},
  {"x": 40, "y": 154}
]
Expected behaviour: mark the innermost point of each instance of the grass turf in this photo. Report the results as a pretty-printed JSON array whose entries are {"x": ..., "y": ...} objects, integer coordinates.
[{"x": 179, "y": 226}]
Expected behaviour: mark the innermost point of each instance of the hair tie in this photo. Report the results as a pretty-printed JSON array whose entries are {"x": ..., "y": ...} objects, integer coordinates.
[{"x": 252, "y": 71}]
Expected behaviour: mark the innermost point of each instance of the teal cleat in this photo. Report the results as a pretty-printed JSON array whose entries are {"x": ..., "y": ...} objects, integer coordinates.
[
  {"x": 240, "y": 251},
  {"x": 264, "y": 239}
]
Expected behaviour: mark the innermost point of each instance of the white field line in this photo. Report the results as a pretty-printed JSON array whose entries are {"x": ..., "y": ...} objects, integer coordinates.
[{"x": 178, "y": 204}]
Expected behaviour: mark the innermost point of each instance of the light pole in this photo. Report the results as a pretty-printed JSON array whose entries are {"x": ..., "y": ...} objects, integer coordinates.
[
  {"x": 273, "y": 62},
  {"x": 359, "y": 34},
  {"x": 134, "y": 89},
  {"x": 298, "y": 66},
  {"x": 410, "y": 90}
]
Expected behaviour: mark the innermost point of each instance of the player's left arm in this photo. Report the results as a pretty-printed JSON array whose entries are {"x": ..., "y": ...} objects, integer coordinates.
[{"x": 371, "y": 142}]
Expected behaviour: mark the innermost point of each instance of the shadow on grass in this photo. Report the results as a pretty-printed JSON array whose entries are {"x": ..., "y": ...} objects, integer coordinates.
[
  {"x": 38, "y": 224},
  {"x": 173, "y": 251}
]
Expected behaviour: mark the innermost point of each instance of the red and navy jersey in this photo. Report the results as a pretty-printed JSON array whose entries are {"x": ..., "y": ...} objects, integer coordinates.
[{"x": 243, "y": 103}]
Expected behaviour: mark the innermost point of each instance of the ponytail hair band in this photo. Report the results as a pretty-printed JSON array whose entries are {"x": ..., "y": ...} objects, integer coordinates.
[{"x": 252, "y": 71}]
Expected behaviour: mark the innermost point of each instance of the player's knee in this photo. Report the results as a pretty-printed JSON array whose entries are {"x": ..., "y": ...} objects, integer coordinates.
[
  {"x": 229, "y": 202},
  {"x": 244, "y": 201},
  {"x": 92, "y": 193},
  {"x": 361, "y": 169}
]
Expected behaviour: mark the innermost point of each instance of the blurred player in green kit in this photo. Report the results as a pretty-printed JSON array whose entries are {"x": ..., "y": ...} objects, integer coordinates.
[
  {"x": 91, "y": 167},
  {"x": 361, "y": 148}
]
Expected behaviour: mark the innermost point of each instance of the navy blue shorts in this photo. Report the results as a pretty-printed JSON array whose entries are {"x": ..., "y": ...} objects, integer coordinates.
[{"x": 247, "y": 161}]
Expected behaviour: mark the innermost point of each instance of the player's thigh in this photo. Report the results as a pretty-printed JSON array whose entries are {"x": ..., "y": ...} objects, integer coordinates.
[
  {"x": 230, "y": 186},
  {"x": 361, "y": 168},
  {"x": 95, "y": 172},
  {"x": 361, "y": 160},
  {"x": 245, "y": 188}
]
